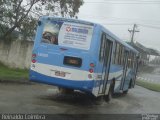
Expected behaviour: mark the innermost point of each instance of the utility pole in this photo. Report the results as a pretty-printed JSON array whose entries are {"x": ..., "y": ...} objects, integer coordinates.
[{"x": 132, "y": 31}]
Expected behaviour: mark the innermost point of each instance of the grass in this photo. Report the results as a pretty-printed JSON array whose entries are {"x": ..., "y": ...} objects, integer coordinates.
[
  {"x": 148, "y": 85},
  {"x": 7, "y": 73}
]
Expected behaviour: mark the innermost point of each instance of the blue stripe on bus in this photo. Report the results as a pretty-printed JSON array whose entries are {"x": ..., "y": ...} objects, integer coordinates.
[
  {"x": 83, "y": 85},
  {"x": 115, "y": 68},
  {"x": 79, "y": 85}
]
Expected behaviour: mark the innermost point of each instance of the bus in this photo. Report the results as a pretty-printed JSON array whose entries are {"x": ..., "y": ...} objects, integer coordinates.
[{"x": 79, "y": 55}]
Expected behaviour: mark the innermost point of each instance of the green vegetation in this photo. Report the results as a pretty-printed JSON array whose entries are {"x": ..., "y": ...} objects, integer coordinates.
[
  {"x": 20, "y": 17},
  {"x": 148, "y": 85},
  {"x": 12, "y": 74}
]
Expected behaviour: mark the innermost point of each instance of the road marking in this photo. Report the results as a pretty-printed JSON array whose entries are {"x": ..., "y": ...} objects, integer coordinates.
[{"x": 147, "y": 79}]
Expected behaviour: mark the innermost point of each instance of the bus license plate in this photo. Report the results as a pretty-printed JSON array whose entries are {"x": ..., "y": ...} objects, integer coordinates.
[{"x": 59, "y": 73}]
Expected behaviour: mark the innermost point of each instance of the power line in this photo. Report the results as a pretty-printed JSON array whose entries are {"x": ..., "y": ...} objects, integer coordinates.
[
  {"x": 131, "y": 23},
  {"x": 143, "y": 25},
  {"x": 113, "y": 2},
  {"x": 127, "y": 1},
  {"x": 149, "y": 26},
  {"x": 155, "y": 22},
  {"x": 117, "y": 23}
]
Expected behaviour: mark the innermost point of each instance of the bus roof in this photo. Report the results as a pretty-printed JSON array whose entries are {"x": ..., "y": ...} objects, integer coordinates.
[
  {"x": 68, "y": 19},
  {"x": 92, "y": 23}
]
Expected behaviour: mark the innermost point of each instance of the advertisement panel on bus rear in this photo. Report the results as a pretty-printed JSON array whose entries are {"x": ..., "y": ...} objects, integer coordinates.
[
  {"x": 68, "y": 34},
  {"x": 75, "y": 35}
]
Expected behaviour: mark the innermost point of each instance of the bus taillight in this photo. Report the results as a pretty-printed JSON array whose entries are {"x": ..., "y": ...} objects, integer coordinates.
[
  {"x": 91, "y": 70},
  {"x": 92, "y": 65},
  {"x": 34, "y": 61},
  {"x": 34, "y": 55}
]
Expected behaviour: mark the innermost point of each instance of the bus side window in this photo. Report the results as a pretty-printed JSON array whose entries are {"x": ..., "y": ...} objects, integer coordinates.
[
  {"x": 102, "y": 47},
  {"x": 122, "y": 56},
  {"x": 133, "y": 60},
  {"x": 117, "y": 53},
  {"x": 114, "y": 61},
  {"x": 130, "y": 59}
]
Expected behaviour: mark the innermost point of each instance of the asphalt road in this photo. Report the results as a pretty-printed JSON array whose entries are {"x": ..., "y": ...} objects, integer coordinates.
[{"x": 38, "y": 98}]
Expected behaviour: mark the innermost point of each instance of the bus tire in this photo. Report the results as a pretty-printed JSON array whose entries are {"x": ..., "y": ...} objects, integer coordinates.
[
  {"x": 130, "y": 84},
  {"x": 125, "y": 92},
  {"x": 65, "y": 90},
  {"x": 108, "y": 97},
  {"x": 129, "y": 87},
  {"x": 99, "y": 100}
]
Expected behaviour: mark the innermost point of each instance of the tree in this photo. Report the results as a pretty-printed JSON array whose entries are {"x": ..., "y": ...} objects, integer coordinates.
[{"x": 22, "y": 15}]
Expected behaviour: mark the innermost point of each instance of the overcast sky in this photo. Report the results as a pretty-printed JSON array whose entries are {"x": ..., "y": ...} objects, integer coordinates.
[{"x": 119, "y": 15}]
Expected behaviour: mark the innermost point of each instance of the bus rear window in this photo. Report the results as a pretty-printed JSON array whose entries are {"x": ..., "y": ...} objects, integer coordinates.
[
  {"x": 67, "y": 34},
  {"x": 72, "y": 61}
]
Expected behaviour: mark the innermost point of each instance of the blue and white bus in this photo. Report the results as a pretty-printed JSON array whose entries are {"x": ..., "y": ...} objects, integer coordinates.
[{"x": 79, "y": 55}]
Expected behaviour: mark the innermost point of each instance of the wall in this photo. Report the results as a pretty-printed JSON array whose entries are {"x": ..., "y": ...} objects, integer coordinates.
[{"x": 16, "y": 54}]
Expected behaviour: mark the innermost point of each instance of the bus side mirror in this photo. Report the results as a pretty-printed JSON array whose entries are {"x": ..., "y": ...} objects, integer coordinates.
[{"x": 39, "y": 23}]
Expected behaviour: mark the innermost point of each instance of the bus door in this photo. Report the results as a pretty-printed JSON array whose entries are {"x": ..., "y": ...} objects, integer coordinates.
[
  {"x": 125, "y": 68},
  {"x": 106, "y": 52}
]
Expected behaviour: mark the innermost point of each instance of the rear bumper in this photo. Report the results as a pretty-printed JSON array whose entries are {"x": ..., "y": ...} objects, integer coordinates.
[{"x": 83, "y": 85}]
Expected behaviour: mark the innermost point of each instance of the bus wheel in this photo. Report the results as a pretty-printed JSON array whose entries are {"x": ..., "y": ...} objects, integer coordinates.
[
  {"x": 125, "y": 92},
  {"x": 130, "y": 84},
  {"x": 99, "y": 100},
  {"x": 108, "y": 97},
  {"x": 65, "y": 90}
]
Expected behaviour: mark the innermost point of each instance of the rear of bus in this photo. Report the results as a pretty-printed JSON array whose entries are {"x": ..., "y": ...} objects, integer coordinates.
[{"x": 62, "y": 54}]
